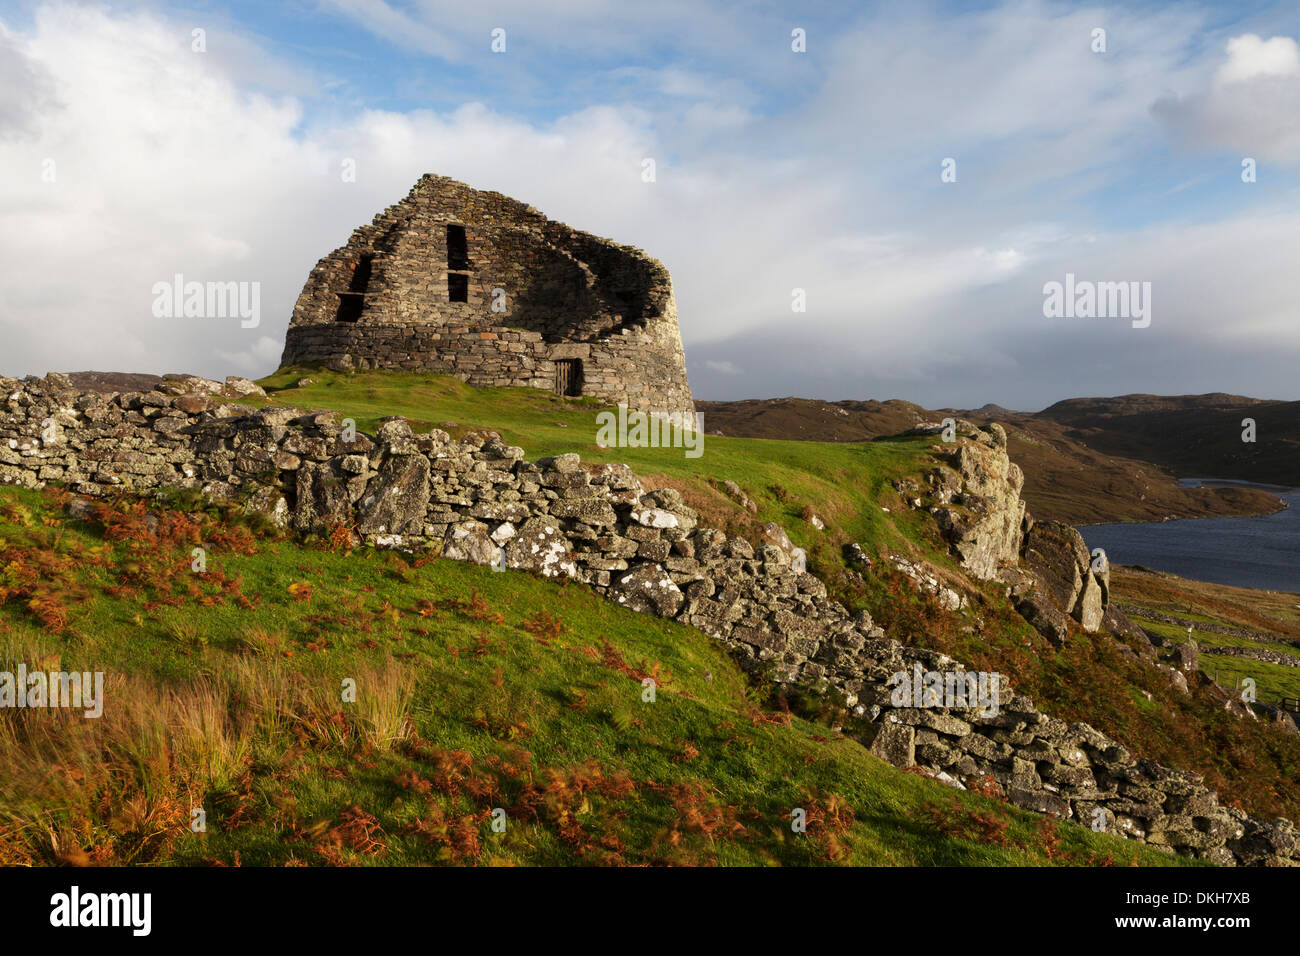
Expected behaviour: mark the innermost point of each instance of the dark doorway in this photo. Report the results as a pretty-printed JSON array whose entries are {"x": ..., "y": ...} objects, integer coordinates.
[
  {"x": 457, "y": 248},
  {"x": 568, "y": 377},
  {"x": 457, "y": 287},
  {"x": 353, "y": 302}
]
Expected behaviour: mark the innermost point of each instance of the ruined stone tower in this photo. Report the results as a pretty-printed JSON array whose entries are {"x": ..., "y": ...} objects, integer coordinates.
[{"x": 475, "y": 284}]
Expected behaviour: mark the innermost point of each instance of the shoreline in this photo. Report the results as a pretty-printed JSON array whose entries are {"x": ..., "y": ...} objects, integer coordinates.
[{"x": 1276, "y": 491}]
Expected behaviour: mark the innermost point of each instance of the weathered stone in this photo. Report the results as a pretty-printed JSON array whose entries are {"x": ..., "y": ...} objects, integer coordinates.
[
  {"x": 648, "y": 587},
  {"x": 1056, "y": 555},
  {"x": 470, "y": 541},
  {"x": 1040, "y": 611},
  {"x": 1088, "y": 607},
  {"x": 540, "y": 546},
  {"x": 397, "y": 497}
]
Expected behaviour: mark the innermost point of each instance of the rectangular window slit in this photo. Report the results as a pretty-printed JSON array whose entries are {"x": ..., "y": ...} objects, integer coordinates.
[
  {"x": 457, "y": 248},
  {"x": 457, "y": 287}
]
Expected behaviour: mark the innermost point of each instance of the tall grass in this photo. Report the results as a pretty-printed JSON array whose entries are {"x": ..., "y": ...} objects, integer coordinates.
[{"x": 120, "y": 788}]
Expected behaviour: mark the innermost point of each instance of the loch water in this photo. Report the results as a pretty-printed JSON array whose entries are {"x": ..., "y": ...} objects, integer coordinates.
[{"x": 1256, "y": 552}]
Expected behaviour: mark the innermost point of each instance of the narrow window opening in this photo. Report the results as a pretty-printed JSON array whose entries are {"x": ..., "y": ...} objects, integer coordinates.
[
  {"x": 361, "y": 274},
  {"x": 568, "y": 377},
  {"x": 457, "y": 287},
  {"x": 457, "y": 248},
  {"x": 353, "y": 302}
]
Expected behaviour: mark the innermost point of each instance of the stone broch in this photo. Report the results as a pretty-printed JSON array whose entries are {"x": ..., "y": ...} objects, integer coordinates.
[{"x": 474, "y": 284}]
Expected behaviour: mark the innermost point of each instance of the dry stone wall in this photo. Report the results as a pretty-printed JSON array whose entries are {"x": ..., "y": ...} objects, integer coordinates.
[{"x": 477, "y": 500}]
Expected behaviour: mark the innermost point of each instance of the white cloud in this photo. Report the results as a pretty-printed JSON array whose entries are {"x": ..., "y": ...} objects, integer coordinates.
[
  {"x": 1250, "y": 56},
  {"x": 1251, "y": 107},
  {"x": 169, "y": 162}
]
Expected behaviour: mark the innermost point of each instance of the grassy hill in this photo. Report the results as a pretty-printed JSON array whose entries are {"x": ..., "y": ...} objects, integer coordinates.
[
  {"x": 1262, "y": 620},
  {"x": 478, "y": 690},
  {"x": 475, "y": 691},
  {"x": 849, "y": 487},
  {"x": 1082, "y": 465}
]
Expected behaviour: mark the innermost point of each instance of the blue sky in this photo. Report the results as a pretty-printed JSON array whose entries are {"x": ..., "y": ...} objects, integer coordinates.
[{"x": 776, "y": 170}]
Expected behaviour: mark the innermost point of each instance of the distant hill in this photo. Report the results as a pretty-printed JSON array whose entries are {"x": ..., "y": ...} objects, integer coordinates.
[
  {"x": 1191, "y": 435},
  {"x": 1086, "y": 460},
  {"x": 807, "y": 419}
]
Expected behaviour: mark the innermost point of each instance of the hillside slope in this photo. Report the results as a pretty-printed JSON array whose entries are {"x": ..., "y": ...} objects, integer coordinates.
[
  {"x": 1085, "y": 461},
  {"x": 479, "y": 696},
  {"x": 828, "y": 496},
  {"x": 1195, "y": 436}
]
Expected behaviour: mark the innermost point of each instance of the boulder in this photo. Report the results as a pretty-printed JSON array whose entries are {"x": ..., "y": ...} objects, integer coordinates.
[
  {"x": 893, "y": 743},
  {"x": 470, "y": 541},
  {"x": 1040, "y": 611},
  {"x": 325, "y": 493},
  {"x": 237, "y": 387},
  {"x": 1057, "y": 557},
  {"x": 1089, "y": 607},
  {"x": 397, "y": 497}
]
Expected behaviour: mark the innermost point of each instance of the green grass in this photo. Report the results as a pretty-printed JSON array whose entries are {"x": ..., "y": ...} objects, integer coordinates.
[
  {"x": 850, "y": 486},
  {"x": 1272, "y": 681},
  {"x": 475, "y": 690},
  {"x": 701, "y": 761}
]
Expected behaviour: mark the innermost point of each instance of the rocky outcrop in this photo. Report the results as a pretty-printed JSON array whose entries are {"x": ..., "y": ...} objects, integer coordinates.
[
  {"x": 1057, "y": 558},
  {"x": 976, "y": 499},
  {"x": 480, "y": 500}
]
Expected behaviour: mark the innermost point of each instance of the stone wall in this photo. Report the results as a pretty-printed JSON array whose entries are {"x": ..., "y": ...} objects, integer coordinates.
[
  {"x": 1255, "y": 654},
  {"x": 1209, "y": 627},
  {"x": 383, "y": 301},
  {"x": 477, "y": 500}
]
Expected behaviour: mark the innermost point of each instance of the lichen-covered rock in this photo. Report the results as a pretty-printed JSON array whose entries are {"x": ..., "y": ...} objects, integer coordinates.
[
  {"x": 397, "y": 497},
  {"x": 540, "y": 546},
  {"x": 325, "y": 493},
  {"x": 470, "y": 541},
  {"x": 978, "y": 507},
  {"x": 648, "y": 587}
]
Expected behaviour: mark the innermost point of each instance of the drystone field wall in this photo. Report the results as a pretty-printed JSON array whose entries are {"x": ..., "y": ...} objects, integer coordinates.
[
  {"x": 1210, "y": 627},
  {"x": 533, "y": 292},
  {"x": 477, "y": 500}
]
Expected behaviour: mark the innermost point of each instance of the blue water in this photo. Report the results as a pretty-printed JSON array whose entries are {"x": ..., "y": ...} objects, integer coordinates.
[{"x": 1259, "y": 552}]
